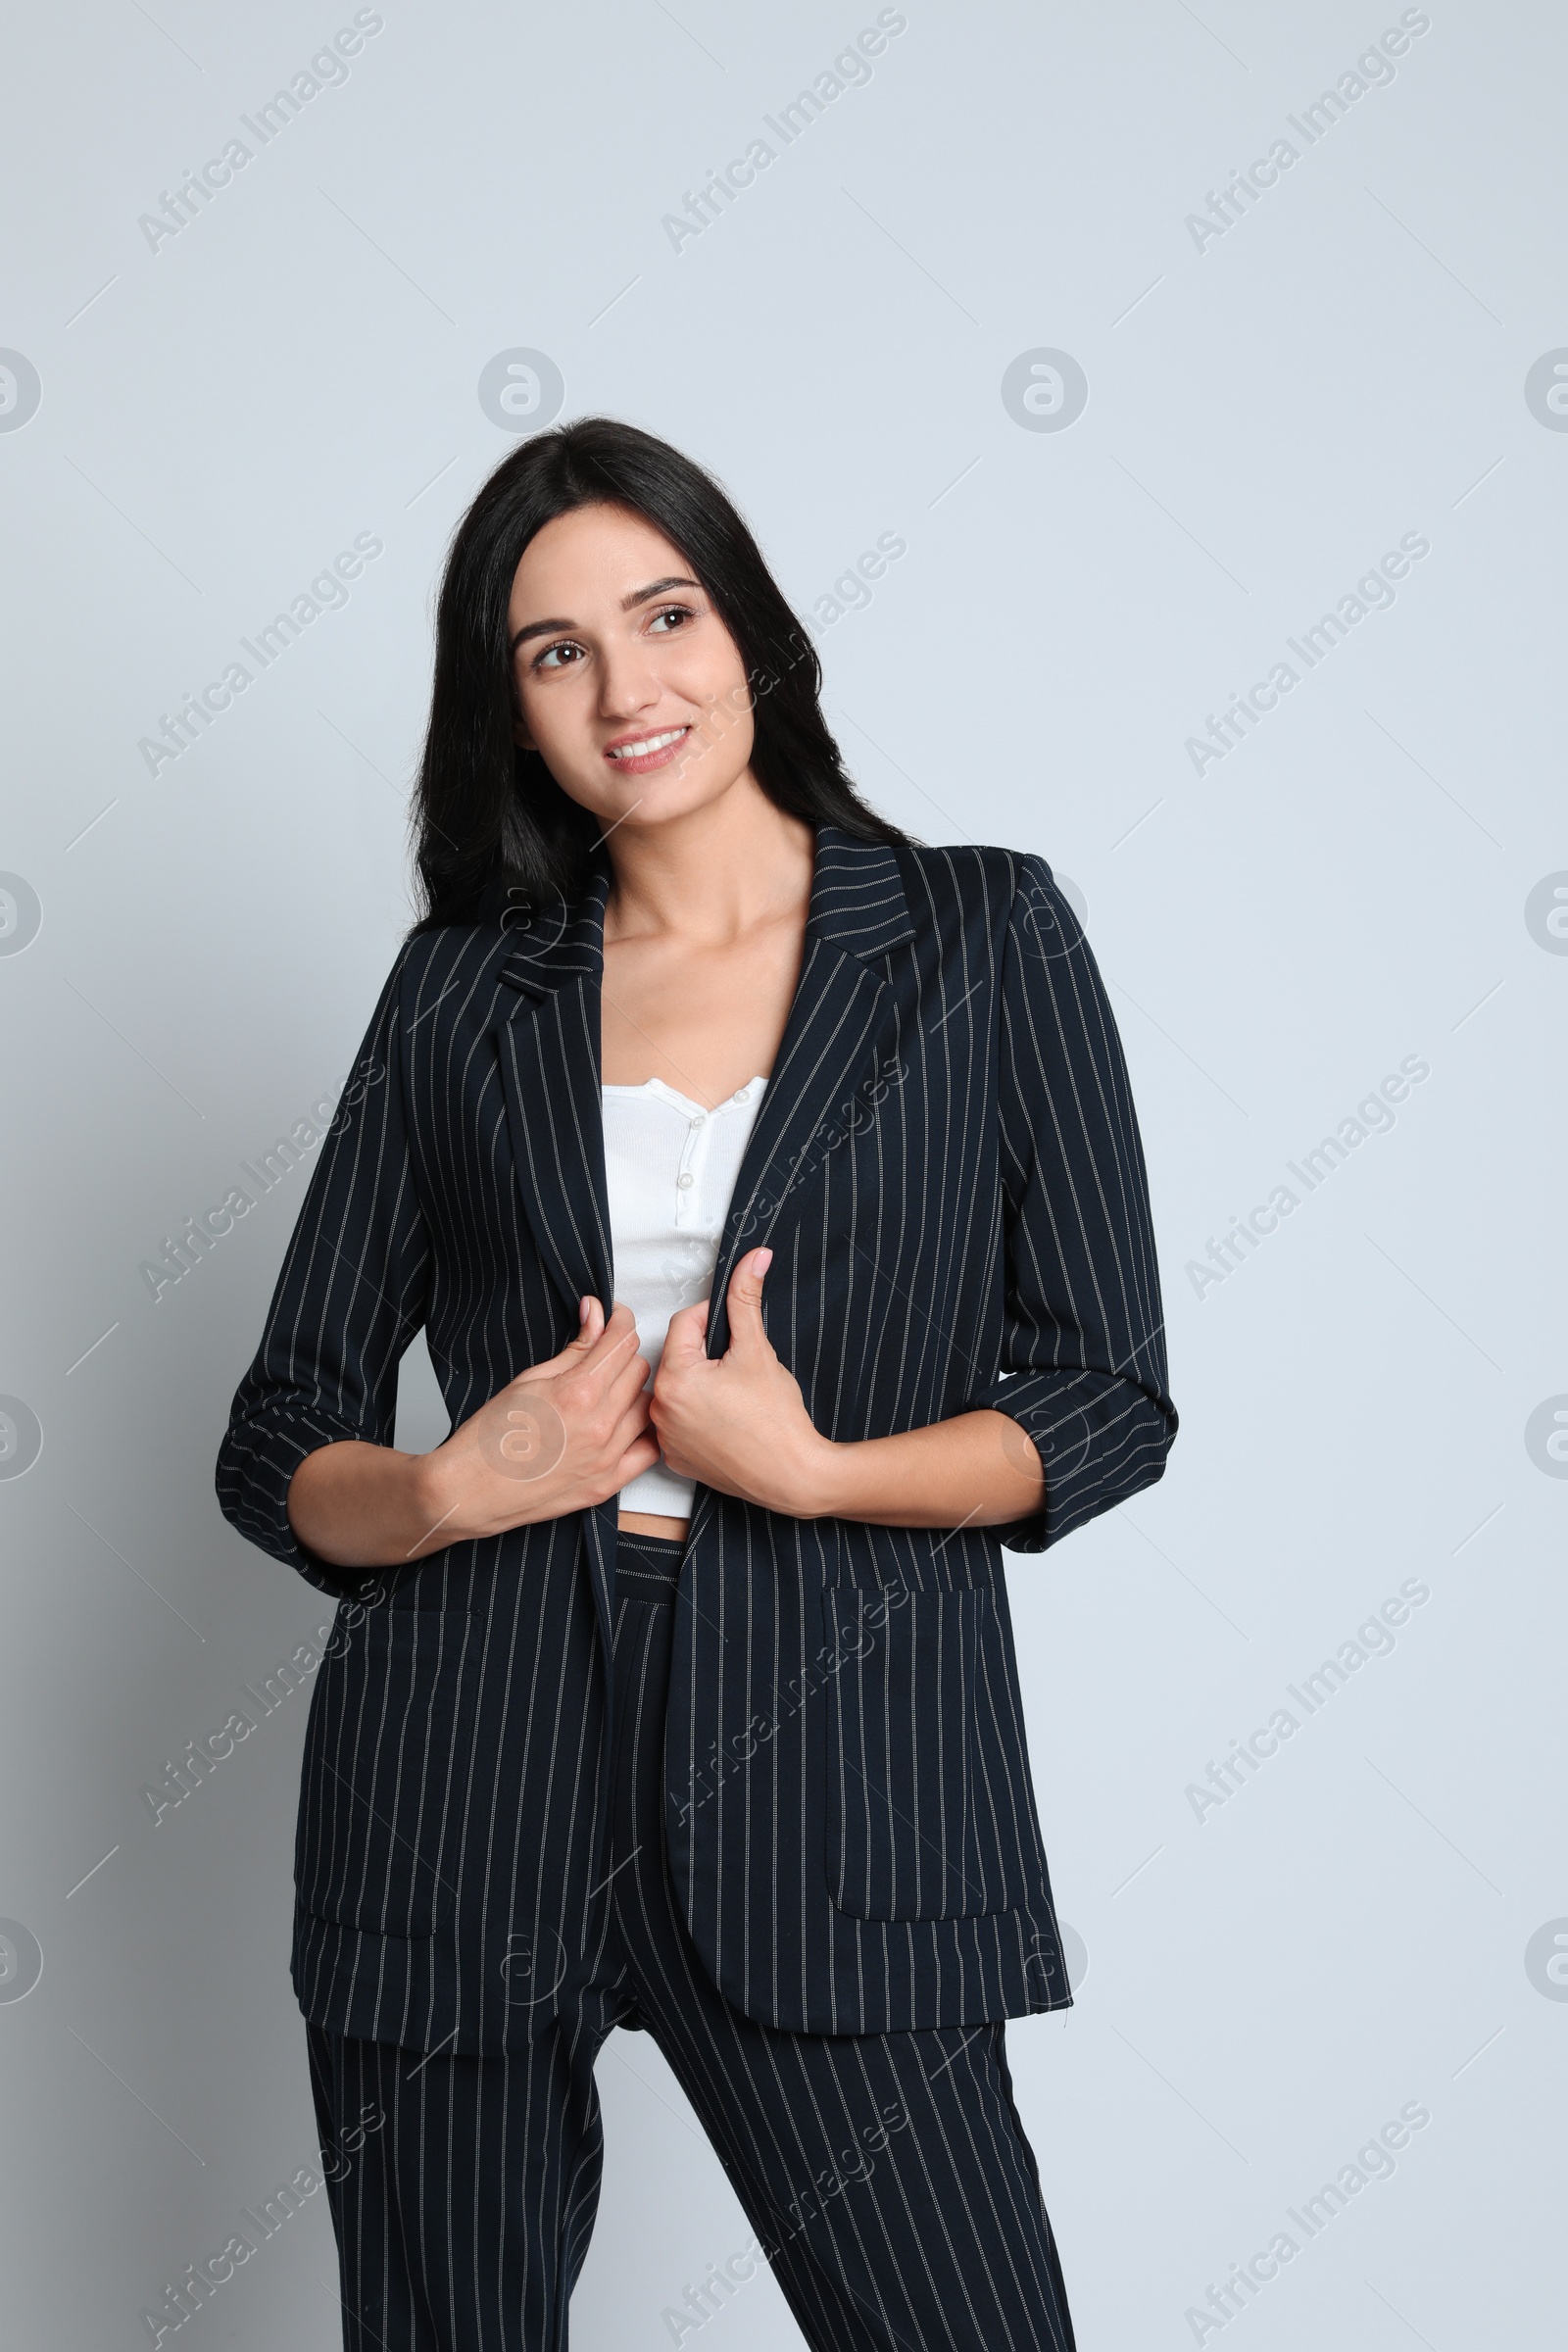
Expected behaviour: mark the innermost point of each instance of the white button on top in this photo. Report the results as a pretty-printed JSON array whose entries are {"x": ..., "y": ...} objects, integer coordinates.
[
  {"x": 685, "y": 1179},
  {"x": 701, "y": 1119}
]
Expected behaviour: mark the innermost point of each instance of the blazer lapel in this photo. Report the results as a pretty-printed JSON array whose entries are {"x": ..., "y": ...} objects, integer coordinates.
[
  {"x": 550, "y": 1063},
  {"x": 549, "y": 1048},
  {"x": 842, "y": 1023}
]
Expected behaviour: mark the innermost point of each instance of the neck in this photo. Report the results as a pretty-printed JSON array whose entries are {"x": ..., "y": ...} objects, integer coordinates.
[{"x": 711, "y": 875}]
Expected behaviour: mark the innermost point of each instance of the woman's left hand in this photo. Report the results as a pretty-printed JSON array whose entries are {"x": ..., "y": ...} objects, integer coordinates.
[{"x": 738, "y": 1421}]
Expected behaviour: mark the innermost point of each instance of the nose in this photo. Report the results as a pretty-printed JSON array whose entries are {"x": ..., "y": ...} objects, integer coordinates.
[{"x": 630, "y": 683}]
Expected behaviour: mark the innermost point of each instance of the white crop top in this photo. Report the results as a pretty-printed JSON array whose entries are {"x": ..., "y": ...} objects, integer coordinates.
[{"x": 670, "y": 1168}]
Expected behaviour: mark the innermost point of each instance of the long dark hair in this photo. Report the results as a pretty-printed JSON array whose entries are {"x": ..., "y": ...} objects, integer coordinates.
[{"x": 488, "y": 814}]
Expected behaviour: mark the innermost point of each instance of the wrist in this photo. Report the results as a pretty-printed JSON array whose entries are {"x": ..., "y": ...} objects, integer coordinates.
[
  {"x": 826, "y": 1481},
  {"x": 429, "y": 1500}
]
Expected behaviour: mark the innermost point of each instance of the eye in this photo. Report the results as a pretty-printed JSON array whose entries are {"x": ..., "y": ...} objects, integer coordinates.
[
  {"x": 676, "y": 612},
  {"x": 547, "y": 660}
]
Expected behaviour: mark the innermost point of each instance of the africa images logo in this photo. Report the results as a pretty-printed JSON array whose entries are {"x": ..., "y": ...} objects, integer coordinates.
[
  {"x": 19, "y": 391},
  {"x": 521, "y": 390},
  {"x": 1045, "y": 390},
  {"x": 21, "y": 1960},
  {"x": 1547, "y": 1959}
]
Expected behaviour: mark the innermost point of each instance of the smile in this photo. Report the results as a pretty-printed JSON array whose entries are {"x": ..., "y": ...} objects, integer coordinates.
[{"x": 646, "y": 746}]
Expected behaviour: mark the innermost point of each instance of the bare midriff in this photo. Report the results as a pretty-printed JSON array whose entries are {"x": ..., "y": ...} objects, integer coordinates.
[{"x": 652, "y": 1523}]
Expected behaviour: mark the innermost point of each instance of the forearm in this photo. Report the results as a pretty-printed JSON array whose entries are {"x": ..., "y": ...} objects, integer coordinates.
[
  {"x": 977, "y": 1470},
  {"x": 366, "y": 1506}
]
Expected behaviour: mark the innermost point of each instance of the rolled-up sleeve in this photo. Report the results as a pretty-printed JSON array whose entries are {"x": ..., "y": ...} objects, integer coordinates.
[
  {"x": 1083, "y": 1347},
  {"x": 351, "y": 1296}
]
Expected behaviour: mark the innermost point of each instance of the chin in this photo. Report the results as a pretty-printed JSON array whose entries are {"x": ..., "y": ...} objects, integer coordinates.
[{"x": 659, "y": 799}]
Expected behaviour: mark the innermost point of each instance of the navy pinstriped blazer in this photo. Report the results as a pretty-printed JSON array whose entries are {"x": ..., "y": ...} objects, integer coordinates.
[{"x": 947, "y": 1166}]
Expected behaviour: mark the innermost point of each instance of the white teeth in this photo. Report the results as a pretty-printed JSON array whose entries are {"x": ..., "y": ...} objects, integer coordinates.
[{"x": 650, "y": 743}]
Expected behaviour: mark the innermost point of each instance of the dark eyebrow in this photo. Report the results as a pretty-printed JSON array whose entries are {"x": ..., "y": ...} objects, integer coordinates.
[{"x": 638, "y": 596}]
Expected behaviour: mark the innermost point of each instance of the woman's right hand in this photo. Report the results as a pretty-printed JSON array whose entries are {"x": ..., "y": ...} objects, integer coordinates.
[
  {"x": 564, "y": 1436},
  {"x": 560, "y": 1436}
]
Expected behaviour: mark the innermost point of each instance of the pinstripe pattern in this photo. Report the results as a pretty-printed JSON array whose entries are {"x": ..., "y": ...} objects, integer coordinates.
[
  {"x": 886, "y": 2176},
  {"x": 947, "y": 1166}
]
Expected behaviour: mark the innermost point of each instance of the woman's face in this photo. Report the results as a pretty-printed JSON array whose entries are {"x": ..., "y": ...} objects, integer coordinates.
[{"x": 627, "y": 682}]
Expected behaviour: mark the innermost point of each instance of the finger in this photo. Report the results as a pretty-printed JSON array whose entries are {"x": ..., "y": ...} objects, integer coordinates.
[
  {"x": 633, "y": 1421},
  {"x": 591, "y": 1322},
  {"x": 690, "y": 1349},
  {"x": 626, "y": 1382},
  {"x": 634, "y": 1428},
  {"x": 683, "y": 1340},
  {"x": 615, "y": 1341},
  {"x": 598, "y": 1346},
  {"x": 640, "y": 1455},
  {"x": 745, "y": 1300}
]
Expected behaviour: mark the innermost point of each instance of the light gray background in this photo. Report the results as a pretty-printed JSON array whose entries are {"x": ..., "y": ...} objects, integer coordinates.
[{"x": 1266, "y": 415}]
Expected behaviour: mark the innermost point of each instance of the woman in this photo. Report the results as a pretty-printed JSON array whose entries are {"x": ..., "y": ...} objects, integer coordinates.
[{"x": 771, "y": 1193}]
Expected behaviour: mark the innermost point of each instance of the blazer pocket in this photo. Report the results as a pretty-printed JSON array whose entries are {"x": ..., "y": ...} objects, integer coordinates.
[
  {"x": 387, "y": 1762},
  {"x": 925, "y": 1813}
]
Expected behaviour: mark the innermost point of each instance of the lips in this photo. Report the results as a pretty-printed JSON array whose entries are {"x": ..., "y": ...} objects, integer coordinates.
[{"x": 638, "y": 754}]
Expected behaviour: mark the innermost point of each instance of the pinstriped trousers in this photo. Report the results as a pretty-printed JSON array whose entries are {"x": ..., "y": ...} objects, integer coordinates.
[{"x": 887, "y": 2177}]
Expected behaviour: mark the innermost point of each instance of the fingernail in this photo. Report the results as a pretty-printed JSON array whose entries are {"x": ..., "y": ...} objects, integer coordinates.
[
  {"x": 582, "y": 1310},
  {"x": 762, "y": 1261}
]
